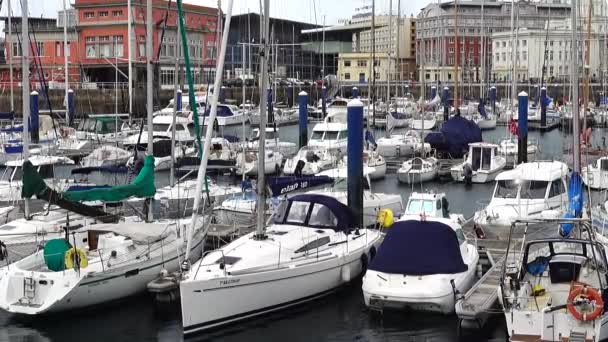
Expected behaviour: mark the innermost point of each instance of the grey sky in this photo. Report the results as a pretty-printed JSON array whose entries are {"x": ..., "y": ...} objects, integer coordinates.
[{"x": 301, "y": 10}]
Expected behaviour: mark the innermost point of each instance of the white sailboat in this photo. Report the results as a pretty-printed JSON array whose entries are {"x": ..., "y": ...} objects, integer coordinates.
[
  {"x": 418, "y": 170},
  {"x": 402, "y": 145},
  {"x": 311, "y": 160}
]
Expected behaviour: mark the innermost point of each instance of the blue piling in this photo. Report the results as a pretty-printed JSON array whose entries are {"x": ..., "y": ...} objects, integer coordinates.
[
  {"x": 178, "y": 101},
  {"x": 303, "y": 118},
  {"x": 355, "y": 160},
  {"x": 433, "y": 92},
  {"x": 446, "y": 104},
  {"x": 71, "y": 108},
  {"x": 493, "y": 99},
  {"x": 324, "y": 100},
  {"x": 270, "y": 107},
  {"x": 34, "y": 117},
  {"x": 522, "y": 123},
  {"x": 543, "y": 107},
  {"x": 289, "y": 96},
  {"x": 222, "y": 98},
  {"x": 355, "y": 92}
]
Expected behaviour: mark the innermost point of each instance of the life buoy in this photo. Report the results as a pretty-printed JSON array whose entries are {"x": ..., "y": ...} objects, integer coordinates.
[
  {"x": 80, "y": 254},
  {"x": 589, "y": 293}
]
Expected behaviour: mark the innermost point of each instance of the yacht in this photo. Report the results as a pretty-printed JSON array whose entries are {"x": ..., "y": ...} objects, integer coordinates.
[
  {"x": 272, "y": 142},
  {"x": 531, "y": 190},
  {"x": 371, "y": 160},
  {"x": 509, "y": 147},
  {"x": 247, "y": 163},
  {"x": 226, "y": 115},
  {"x": 310, "y": 161},
  {"x": 332, "y": 136},
  {"x": 595, "y": 175},
  {"x": 418, "y": 170},
  {"x": 481, "y": 164},
  {"x": 106, "y": 155},
  {"x": 402, "y": 145},
  {"x": 433, "y": 204},
  {"x": 422, "y": 264},
  {"x": 200, "y": 98},
  {"x": 424, "y": 122},
  {"x": 312, "y": 248},
  {"x": 554, "y": 289},
  {"x": 162, "y": 129}
]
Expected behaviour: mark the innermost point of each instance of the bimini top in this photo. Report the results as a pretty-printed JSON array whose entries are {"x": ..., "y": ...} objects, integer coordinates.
[
  {"x": 536, "y": 171},
  {"x": 420, "y": 248},
  {"x": 317, "y": 211}
]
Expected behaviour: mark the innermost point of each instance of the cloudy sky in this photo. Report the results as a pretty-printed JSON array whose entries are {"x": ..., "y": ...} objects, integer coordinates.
[{"x": 301, "y": 10}]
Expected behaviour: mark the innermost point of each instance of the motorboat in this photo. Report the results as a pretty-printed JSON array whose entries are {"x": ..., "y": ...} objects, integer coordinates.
[
  {"x": 481, "y": 164},
  {"x": 509, "y": 147},
  {"x": 310, "y": 161},
  {"x": 273, "y": 142},
  {"x": 163, "y": 157},
  {"x": 281, "y": 116},
  {"x": 80, "y": 270},
  {"x": 402, "y": 145},
  {"x": 553, "y": 290},
  {"x": 162, "y": 129},
  {"x": 431, "y": 204},
  {"x": 11, "y": 181},
  {"x": 227, "y": 115},
  {"x": 200, "y": 98},
  {"x": 418, "y": 170},
  {"x": 103, "y": 128},
  {"x": 372, "y": 160},
  {"x": 106, "y": 155},
  {"x": 247, "y": 163},
  {"x": 595, "y": 175},
  {"x": 531, "y": 190},
  {"x": 332, "y": 136},
  {"x": 312, "y": 248},
  {"x": 442, "y": 263}
]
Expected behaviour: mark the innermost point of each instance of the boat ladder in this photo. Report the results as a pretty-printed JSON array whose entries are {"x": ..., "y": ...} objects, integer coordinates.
[
  {"x": 29, "y": 289},
  {"x": 578, "y": 336}
]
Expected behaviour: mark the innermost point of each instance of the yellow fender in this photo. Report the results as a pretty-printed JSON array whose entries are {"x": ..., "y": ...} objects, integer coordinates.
[
  {"x": 81, "y": 255},
  {"x": 385, "y": 217}
]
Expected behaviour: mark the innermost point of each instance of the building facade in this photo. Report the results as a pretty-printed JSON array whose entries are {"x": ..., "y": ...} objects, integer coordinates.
[
  {"x": 355, "y": 67},
  {"x": 436, "y": 34}
]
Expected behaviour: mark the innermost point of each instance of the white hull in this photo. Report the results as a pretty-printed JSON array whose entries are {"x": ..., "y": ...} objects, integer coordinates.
[
  {"x": 243, "y": 296},
  {"x": 479, "y": 176},
  {"x": 236, "y": 119},
  {"x": 486, "y": 124},
  {"x": 595, "y": 178},
  {"x": 415, "y": 176},
  {"x": 423, "y": 124}
]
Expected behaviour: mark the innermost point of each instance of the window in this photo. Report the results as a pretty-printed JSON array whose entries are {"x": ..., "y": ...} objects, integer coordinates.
[
  {"x": 533, "y": 189},
  {"x": 105, "y": 48},
  {"x": 297, "y": 212},
  {"x": 524, "y": 42},
  {"x": 89, "y": 15},
  {"x": 156, "y": 127},
  {"x": 117, "y": 13},
  {"x": 506, "y": 189},
  {"x": 118, "y": 47},
  {"x": 211, "y": 50},
  {"x": 321, "y": 216},
  {"x": 91, "y": 47},
  {"x": 347, "y": 76},
  {"x": 361, "y": 63},
  {"x": 16, "y": 49},
  {"x": 377, "y": 75},
  {"x": 377, "y": 62},
  {"x": 361, "y": 77},
  {"x": 167, "y": 77},
  {"x": 314, "y": 244},
  {"x": 504, "y": 44},
  {"x": 557, "y": 188},
  {"x": 346, "y": 63},
  {"x": 103, "y": 14},
  {"x": 58, "y": 49},
  {"x": 40, "y": 48}
]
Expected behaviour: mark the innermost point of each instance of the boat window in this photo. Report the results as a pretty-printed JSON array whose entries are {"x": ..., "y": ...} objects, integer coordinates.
[
  {"x": 331, "y": 135},
  {"x": 17, "y": 174},
  {"x": 107, "y": 127},
  {"x": 417, "y": 206},
  {"x": 271, "y": 135},
  {"x": 46, "y": 171},
  {"x": 317, "y": 135},
  {"x": 180, "y": 128},
  {"x": 157, "y": 127},
  {"x": 191, "y": 129},
  {"x": 557, "y": 188},
  {"x": 604, "y": 164},
  {"x": 533, "y": 189},
  {"x": 506, "y": 189},
  {"x": 476, "y": 158},
  {"x": 227, "y": 260},
  {"x": 90, "y": 126},
  {"x": 297, "y": 212},
  {"x": 322, "y": 216},
  {"x": 82, "y": 125},
  {"x": 314, "y": 244},
  {"x": 486, "y": 158},
  {"x": 170, "y": 105},
  {"x": 344, "y": 134},
  {"x": 460, "y": 236},
  {"x": 340, "y": 184}
]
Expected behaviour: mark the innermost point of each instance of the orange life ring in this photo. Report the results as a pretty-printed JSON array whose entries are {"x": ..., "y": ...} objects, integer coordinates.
[{"x": 592, "y": 295}]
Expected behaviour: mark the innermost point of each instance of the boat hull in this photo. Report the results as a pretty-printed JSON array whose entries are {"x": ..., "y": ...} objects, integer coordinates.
[{"x": 412, "y": 177}]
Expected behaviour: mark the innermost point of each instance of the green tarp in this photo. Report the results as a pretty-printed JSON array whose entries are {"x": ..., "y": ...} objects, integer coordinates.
[
  {"x": 142, "y": 186},
  {"x": 54, "y": 254}
]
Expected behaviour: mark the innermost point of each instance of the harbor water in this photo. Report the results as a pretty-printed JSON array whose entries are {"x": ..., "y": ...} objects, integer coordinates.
[{"x": 339, "y": 317}]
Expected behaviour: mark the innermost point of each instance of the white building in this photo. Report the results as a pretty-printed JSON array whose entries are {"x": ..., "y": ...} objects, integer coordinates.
[{"x": 530, "y": 52}]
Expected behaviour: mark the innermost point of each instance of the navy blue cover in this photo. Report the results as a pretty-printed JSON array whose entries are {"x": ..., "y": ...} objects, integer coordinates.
[
  {"x": 87, "y": 187},
  {"x": 419, "y": 248},
  {"x": 7, "y": 115},
  {"x": 481, "y": 107},
  {"x": 342, "y": 212},
  {"x": 455, "y": 136},
  {"x": 109, "y": 169},
  {"x": 13, "y": 149},
  {"x": 282, "y": 185}
]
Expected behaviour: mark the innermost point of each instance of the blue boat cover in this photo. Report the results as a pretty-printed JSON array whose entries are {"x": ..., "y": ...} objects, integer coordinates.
[
  {"x": 481, "y": 107},
  {"x": 419, "y": 248},
  {"x": 7, "y": 116},
  {"x": 283, "y": 185},
  {"x": 343, "y": 214},
  {"x": 455, "y": 136},
  {"x": 222, "y": 111},
  {"x": 13, "y": 149},
  {"x": 231, "y": 138}
]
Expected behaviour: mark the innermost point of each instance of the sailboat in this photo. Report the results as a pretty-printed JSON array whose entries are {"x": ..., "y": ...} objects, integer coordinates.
[{"x": 311, "y": 249}]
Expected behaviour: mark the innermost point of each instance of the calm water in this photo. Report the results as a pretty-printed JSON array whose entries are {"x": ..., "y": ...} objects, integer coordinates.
[{"x": 340, "y": 317}]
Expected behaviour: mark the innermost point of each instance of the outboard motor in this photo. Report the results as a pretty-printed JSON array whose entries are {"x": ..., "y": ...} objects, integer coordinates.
[
  {"x": 468, "y": 174},
  {"x": 299, "y": 168}
]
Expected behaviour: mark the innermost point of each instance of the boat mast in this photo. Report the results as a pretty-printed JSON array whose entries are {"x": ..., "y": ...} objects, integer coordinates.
[
  {"x": 456, "y": 53},
  {"x": 390, "y": 44},
  {"x": 422, "y": 94},
  {"x": 576, "y": 148},
  {"x": 261, "y": 184},
  {"x": 373, "y": 66},
  {"x": 10, "y": 54},
  {"x": 482, "y": 67},
  {"x": 25, "y": 87},
  {"x": 244, "y": 108},
  {"x": 65, "y": 60},
  {"x": 513, "y": 61},
  {"x": 149, "y": 92},
  {"x": 130, "y": 57},
  {"x": 587, "y": 66},
  {"x": 398, "y": 60},
  {"x": 175, "y": 92}
]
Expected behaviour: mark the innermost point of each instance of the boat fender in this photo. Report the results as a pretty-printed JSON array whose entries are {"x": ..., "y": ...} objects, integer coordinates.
[
  {"x": 385, "y": 217},
  {"x": 372, "y": 253},
  {"x": 3, "y": 251},
  {"x": 345, "y": 273},
  {"x": 75, "y": 257},
  {"x": 583, "y": 293},
  {"x": 467, "y": 172}
]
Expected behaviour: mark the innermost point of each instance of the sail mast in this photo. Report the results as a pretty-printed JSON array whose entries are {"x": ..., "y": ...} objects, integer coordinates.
[
  {"x": 65, "y": 60},
  {"x": 587, "y": 66},
  {"x": 576, "y": 149},
  {"x": 10, "y": 54},
  {"x": 130, "y": 56},
  {"x": 456, "y": 52}
]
